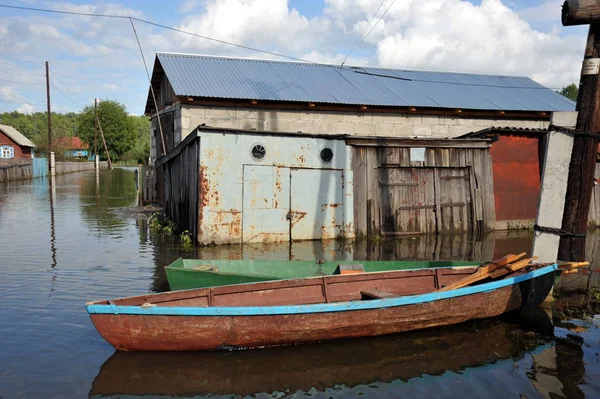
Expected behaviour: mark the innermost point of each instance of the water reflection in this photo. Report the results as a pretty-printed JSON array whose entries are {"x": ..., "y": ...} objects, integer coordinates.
[
  {"x": 319, "y": 367},
  {"x": 83, "y": 239}
]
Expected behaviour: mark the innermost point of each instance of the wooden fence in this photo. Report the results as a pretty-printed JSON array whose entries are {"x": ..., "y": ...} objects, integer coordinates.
[
  {"x": 180, "y": 179},
  {"x": 38, "y": 167}
]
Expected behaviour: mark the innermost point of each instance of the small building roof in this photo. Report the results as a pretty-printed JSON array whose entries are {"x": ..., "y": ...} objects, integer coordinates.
[
  {"x": 16, "y": 136},
  {"x": 72, "y": 143},
  {"x": 491, "y": 131},
  {"x": 264, "y": 80}
]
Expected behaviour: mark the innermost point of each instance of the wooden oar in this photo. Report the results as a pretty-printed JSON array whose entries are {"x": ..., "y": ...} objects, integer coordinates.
[
  {"x": 573, "y": 265},
  {"x": 498, "y": 271},
  {"x": 484, "y": 270}
]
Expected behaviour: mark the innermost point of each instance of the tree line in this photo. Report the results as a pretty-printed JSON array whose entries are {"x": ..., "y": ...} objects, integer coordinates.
[{"x": 127, "y": 136}]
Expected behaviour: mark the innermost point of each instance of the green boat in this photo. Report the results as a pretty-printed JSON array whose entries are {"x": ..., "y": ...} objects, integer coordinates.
[{"x": 199, "y": 273}]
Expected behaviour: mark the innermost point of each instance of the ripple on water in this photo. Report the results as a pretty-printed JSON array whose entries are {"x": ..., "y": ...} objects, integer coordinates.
[{"x": 55, "y": 258}]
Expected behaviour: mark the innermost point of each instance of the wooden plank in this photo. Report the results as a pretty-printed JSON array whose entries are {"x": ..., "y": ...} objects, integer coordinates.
[
  {"x": 377, "y": 294},
  {"x": 485, "y": 271},
  {"x": 437, "y": 201}
]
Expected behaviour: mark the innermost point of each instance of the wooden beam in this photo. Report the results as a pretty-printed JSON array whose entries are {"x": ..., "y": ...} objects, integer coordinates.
[
  {"x": 580, "y": 12},
  {"x": 584, "y": 154}
]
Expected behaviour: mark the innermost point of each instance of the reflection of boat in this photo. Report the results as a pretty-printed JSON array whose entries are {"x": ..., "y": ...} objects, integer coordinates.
[
  {"x": 199, "y": 273},
  {"x": 319, "y": 366},
  {"x": 314, "y": 309}
]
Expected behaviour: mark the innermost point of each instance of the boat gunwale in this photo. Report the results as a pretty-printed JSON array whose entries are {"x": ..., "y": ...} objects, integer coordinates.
[
  {"x": 220, "y": 273},
  {"x": 112, "y": 309}
]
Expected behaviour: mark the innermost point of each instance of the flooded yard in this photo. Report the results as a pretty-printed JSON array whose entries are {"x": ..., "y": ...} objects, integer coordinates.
[{"x": 83, "y": 239}]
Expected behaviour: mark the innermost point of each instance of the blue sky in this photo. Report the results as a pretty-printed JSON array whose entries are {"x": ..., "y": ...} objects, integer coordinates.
[{"x": 98, "y": 57}]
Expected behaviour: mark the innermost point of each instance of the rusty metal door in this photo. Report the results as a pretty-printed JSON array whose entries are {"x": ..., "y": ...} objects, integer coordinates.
[
  {"x": 454, "y": 204},
  {"x": 265, "y": 204},
  {"x": 316, "y": 204},
  {"x": 407, "y": 201}
]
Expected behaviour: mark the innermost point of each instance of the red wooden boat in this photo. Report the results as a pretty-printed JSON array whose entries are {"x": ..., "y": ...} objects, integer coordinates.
[{"x": 313, "y": 309}]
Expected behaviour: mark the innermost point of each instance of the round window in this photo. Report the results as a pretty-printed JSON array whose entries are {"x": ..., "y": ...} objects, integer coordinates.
[
  {"x": 326, "y": 155},
  {"x": 258, "y": 151}
]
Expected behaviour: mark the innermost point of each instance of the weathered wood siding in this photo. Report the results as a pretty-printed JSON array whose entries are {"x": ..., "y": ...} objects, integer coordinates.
[
  {"x": 451, "y": 191},
  {"x": 594, "y": 215},
  {"x": 180, "y": 180}
]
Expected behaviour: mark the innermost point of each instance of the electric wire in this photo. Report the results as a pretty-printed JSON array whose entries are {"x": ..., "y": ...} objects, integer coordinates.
[
  {"x": 151, "y": 87},
  {"x": 362, "y": 33},
  {"x": 353, "y": 69}
]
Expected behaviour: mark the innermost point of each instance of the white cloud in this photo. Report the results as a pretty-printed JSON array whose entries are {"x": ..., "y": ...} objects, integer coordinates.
[
  {"x": 110, "y": 86},
  {"x": 455, "y": 35},
  {"x": 26, "y": 109},
  {"x": 188, "y": 6},
  {"x": 99, "y": 57}
]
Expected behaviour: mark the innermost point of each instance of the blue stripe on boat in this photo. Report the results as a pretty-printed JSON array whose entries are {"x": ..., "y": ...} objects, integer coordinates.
[{"x": 317, "y": 308}]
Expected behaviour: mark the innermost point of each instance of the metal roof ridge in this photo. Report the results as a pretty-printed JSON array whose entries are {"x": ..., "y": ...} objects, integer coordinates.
[{"x": 345, "y": 67}]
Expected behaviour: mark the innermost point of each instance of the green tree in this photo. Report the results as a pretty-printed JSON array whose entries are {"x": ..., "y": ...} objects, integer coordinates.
[
  {"x": 141, "y": 149},
  {"x": 118, "y": 130},
  {"x": 571, "y": 92}
]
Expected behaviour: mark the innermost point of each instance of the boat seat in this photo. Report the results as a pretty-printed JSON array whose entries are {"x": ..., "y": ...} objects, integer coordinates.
[
  {"x": 349, "y": 268},
  {"x": 377, "y": 294}
]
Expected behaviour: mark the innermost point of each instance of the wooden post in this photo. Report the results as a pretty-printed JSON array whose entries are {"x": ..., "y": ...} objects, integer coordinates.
[
  {"x": 96, "y": 133},
  {"x": 49, "y": 111},
  {"x": 104, "y": 142},
  {"x": 583, "y": 159}
]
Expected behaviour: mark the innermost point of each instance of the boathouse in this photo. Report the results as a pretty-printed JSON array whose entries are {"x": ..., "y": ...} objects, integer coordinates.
[
  {"x": 231, "y": 186},
  {"x": 358, "y": 150}
]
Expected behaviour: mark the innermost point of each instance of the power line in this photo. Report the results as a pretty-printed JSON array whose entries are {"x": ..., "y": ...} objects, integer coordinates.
[
  {"x": 151, "y": 87},
  {"x": 22, "y": 83},
  {"x": 63, "y": 83},
  {"x": 15, "y": 65},
  {"x": 378, "y": 21},
  {"x": 23, "y": 61},
  {"x": 64, "y": 95},
  {"x": 362, "y": 33},
  {"x": 364, "y": 72},
  {"x": 154, "y": 24},
  {"x": 21, "y": 74}
]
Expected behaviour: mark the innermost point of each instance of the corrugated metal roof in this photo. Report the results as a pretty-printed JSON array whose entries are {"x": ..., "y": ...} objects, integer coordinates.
[
  {"x": 16, "y": 136},
  {"x": 252, "y": 79},
  {"x": 491, "y": 131}
]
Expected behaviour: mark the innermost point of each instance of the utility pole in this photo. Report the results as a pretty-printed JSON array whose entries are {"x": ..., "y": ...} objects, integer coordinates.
[
  {"x": 49, "y": 111},
  {"x": 95, "y": 130},
  {"x": 104, "y": 142},
  {"x": 585, "y": 147}
]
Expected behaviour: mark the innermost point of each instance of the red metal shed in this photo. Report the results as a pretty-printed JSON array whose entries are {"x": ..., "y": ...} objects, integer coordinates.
[{"x": 516, "y": 164}]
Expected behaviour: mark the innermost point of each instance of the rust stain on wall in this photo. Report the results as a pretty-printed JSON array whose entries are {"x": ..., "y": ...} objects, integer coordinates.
[
  {"x": 296, "y": 216},
  {"x": 204, "y": 193}
]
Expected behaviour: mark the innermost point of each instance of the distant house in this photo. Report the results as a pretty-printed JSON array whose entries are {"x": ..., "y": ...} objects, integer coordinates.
[
  {"x": 13, "y": 145},
  {"x": 73, "y": 147}
]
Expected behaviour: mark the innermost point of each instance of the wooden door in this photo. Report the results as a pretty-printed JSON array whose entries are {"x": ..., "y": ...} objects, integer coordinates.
[
  {"x": 454, "y": 204},
  {"x": 425, "y": 200},
  {"x": 407, "y": 201}
]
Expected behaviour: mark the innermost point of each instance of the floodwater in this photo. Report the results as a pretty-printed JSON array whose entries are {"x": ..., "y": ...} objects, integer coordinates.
[{"x": 82, "y": 239}]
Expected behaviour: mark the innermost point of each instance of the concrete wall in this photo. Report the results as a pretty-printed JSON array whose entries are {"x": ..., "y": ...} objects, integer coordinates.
[
  {"x": 247, "y": 199},
  {"x": 365, "y": 123}
]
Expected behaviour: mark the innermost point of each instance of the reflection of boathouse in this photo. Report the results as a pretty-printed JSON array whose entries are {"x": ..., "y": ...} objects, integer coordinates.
[{"x": 255, "y": 150}]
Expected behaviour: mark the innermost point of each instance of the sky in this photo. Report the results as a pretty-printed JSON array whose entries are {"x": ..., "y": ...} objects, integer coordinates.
[{"x": 98, "y": 57}]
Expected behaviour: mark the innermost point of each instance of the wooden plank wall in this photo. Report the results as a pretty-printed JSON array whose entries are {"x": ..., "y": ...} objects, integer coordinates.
[
  {"x": 477, "y": 189},
  {"x": 180, "y": 176}
]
